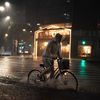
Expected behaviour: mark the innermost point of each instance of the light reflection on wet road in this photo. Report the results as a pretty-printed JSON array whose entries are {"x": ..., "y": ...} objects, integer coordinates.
[
  {"x": 15, "y": 66},
  {"x": 88, "y": 74}
]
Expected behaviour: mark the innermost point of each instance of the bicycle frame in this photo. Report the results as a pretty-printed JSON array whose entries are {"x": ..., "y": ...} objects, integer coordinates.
[
  {"x": 59, "y": 74},
  {"x": 56, "y": 71}
]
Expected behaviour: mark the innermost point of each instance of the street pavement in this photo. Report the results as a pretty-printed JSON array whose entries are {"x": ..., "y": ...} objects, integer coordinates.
[
  {"x": 88, "y": 75},
  {"x": 12, "y": 90}
]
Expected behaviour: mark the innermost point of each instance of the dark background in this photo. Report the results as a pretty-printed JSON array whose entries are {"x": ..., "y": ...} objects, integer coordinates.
[{"x": 84, "y": 13}]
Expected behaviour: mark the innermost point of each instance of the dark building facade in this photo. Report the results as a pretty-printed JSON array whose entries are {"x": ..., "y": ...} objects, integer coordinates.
[{"x": 85, "y": 44}]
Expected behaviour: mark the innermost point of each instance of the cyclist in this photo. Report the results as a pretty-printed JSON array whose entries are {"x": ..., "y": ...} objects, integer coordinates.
[{"x": 51, "y": 52}]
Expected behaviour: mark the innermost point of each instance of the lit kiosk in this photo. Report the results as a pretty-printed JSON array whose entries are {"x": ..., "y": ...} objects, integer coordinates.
[
  {"x": 47, "y": 32},
  {"x": 84, "y": 49}
]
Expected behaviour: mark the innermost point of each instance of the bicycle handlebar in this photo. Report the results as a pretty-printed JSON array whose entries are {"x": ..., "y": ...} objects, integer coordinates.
[{"x": 52, "y": 58}]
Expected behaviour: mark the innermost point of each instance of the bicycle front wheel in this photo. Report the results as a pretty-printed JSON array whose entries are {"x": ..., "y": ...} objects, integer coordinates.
[
  {"x": 67, "y": 80},
  {"x": 33, "y": 76}
]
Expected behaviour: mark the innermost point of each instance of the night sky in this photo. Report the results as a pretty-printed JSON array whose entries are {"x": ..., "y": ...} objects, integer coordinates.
[{"x": 85, "y": 12}]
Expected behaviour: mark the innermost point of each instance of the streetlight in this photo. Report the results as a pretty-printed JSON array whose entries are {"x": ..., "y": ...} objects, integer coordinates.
[
  {"x": 7, "y": 18},
  {"x": 6, "y": 21},
  {"x": 24, "y": 30},
  {"x": 30, "y": 31},
  {"x": 7, "y": 4},
  {"x": 2, "y": 8},
  {"x": 38, "y": 24},
  {"x": 6, "y": 35}
]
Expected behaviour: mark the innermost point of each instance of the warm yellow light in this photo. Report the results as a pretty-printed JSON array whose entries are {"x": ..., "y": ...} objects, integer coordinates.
[
  {"x": 53, "y": 34},
  {"x": 65, "y": 48},
  {"x": 87, "y": 49},
  {"x": 45, "y": 43},
  {"x": 48, "y": 32}
]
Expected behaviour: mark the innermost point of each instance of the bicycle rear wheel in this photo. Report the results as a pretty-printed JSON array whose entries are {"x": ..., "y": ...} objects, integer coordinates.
[
  {"x": 33, "y": 76},
  {"x": 67, "y": 80}
]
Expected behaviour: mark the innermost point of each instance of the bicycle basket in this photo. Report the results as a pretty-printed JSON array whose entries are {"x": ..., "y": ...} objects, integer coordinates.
[{"x": 63, "y": 64}]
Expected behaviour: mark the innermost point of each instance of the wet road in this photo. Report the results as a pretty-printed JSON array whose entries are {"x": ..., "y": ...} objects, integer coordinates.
[
  {"x": 88, "y": 74},
  {"x": 15, "y": 66}
]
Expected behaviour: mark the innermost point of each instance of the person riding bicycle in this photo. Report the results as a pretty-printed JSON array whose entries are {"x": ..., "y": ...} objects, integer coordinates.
[{"x": 51, "y": 52}]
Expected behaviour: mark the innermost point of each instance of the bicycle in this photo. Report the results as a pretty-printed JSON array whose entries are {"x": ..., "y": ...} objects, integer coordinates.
[{"x": 61, "y": 73}]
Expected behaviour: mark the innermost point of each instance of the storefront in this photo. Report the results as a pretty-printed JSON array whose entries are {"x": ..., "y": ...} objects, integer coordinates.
[
  {"x": 84, "y": 49},
  {"x": 47, "y": 32}
]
